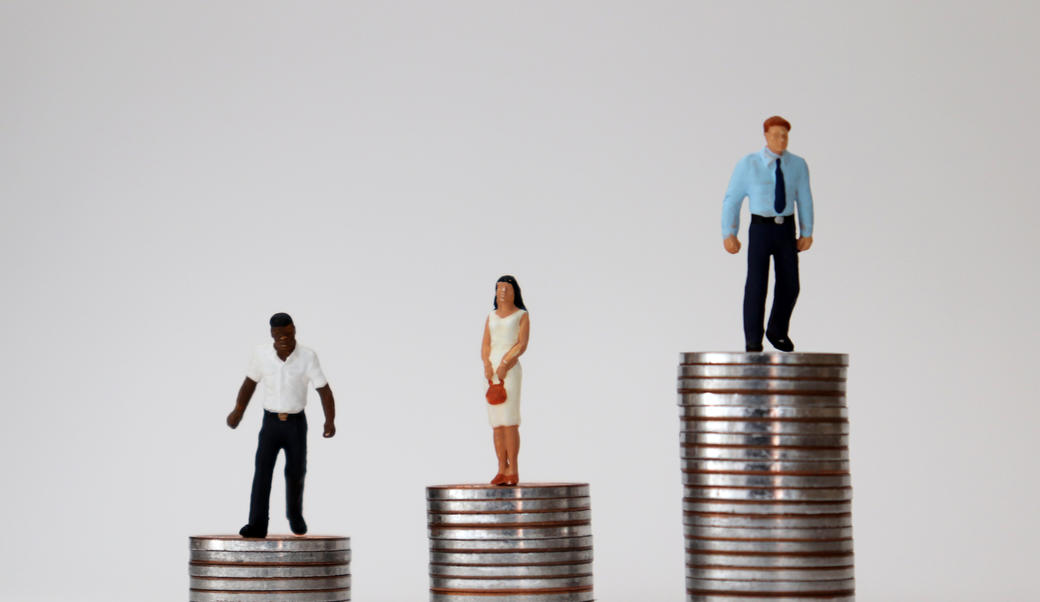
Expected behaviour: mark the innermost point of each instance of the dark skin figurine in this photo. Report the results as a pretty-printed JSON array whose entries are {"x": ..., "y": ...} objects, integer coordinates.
[{"x": 285, "y": 371}]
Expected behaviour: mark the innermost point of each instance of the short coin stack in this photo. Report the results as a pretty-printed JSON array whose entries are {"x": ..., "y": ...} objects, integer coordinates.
[
  {"x": 277, "y": 569},
  {"x": 767, "y": 506},
  {"x": 527, "y": 543}
]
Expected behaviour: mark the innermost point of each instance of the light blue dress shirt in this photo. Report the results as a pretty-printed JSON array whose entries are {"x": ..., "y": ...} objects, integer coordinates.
[{"x": 754, "y": 177}]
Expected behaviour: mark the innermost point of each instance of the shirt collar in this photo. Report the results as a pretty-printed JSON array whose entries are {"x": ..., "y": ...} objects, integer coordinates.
[
  {"x": 768, "y": 156},
  {"x": 273, "y": 353}
]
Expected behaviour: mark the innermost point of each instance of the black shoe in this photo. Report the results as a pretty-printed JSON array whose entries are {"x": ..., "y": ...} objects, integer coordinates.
[
  {"x": 750, "y": 348},
  {"x": 781, "y": 343},
  {"x": 253, "y": 532},
  {"x": 298, "y": 525}
]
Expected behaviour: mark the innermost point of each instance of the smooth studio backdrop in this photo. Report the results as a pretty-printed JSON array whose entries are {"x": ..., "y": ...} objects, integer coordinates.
[{"x": 173, "y": 173}]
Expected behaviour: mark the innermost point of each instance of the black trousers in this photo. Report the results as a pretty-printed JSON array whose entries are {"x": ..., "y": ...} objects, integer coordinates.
[
  {"x": 276, "y": 435},
  {"x": 767, "y": 240}
]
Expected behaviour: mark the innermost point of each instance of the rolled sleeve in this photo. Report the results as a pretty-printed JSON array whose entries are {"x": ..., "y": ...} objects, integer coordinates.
[
  {"x": 314, "y": 373},
  {"x": 255, "y": 370}
]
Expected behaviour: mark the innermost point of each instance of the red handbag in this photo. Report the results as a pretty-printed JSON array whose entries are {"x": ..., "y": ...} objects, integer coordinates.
[{"x": 496, "y": 394}]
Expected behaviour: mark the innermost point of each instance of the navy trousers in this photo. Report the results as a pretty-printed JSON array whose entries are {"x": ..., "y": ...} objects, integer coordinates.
[
  {"x": 767, "y": 240},
  {"x": 276, "y": 435}
]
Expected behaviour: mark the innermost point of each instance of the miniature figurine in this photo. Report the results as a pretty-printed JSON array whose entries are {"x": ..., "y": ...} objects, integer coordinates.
[
  {"x": 776, "y": 182},
  {"x": 284, "y": 371},
  {"x": 506, "y": 331}
]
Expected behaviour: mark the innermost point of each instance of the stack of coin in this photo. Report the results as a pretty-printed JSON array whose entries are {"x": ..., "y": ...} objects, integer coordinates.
[
  {"x": 281, "y": 568},
  {"x": 767, "y": 506},
  {"x": 527, "y": 543}
]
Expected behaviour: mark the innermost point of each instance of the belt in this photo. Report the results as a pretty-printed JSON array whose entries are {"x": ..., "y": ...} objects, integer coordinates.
[
  {"x": 761, "y": 219},
  {"x": 283, "y": 416}
]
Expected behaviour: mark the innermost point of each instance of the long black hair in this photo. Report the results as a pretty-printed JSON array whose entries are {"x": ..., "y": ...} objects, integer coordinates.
[{"x": 518, "y": 299}]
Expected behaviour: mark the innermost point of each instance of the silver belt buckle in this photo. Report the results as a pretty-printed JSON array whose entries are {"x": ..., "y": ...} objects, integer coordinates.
[{"x": 779, "y": 219}]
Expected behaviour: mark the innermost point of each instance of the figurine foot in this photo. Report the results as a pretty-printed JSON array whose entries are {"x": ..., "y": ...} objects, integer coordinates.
[
  {"x": 510, "y": 479},
  {"x": 298, "y": 526},
  {"x": 499, "y": 479},
  {"x": 253, "y": 532},
  {"x": 781, "y": 343},
  {"x": 751, "y": 348}
]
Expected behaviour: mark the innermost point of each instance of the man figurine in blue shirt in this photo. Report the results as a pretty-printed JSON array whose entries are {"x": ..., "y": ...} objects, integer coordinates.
[{"x": 775, "y": 182}]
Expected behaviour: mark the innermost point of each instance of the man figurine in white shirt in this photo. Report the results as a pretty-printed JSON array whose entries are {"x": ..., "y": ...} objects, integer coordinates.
[{"x": 283, "y": 370}]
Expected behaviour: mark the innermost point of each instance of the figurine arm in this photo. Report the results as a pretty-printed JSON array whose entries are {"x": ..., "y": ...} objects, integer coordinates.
[
  {"x": 485, "y": 352},
  {"x": 805, "y": 207},
  {"x": 734, "y": 199},
  {"x": 513, "y": 355},
  {"x": 245, "y": 393},
  {"x": 731, "y": 203},
  {"x": 329, "y": 405}
]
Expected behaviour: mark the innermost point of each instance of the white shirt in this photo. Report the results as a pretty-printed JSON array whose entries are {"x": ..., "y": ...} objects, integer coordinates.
[{"x": 284, "y": 384}]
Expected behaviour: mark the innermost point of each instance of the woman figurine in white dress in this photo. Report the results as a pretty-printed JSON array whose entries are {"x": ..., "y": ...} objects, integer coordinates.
[{"x": 506, "y": 331}]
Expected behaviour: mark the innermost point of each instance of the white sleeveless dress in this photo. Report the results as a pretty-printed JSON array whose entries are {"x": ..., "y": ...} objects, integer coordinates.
[{"x": 504, "y": 333}]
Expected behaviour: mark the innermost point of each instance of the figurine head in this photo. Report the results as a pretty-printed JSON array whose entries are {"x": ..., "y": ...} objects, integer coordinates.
[
  {"x": 507, "y": 290},
  {"x": 776, "y": 129},
  {"x": 283, "y": 331}
]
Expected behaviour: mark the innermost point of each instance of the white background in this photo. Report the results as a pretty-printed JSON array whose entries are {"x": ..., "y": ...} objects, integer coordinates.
[{"x": 173, "y": 173}]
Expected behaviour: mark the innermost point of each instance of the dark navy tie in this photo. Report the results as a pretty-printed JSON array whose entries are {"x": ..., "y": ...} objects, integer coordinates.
[{"x": 780, "y": 195}]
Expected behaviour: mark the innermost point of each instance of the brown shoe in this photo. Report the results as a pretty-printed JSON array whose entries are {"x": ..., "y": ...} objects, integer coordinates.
[{"x": 499, "y": 479}]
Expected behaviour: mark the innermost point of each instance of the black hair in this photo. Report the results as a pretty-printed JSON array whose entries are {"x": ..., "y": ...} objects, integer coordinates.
[
  {"x": 518, "y": 299},
  {"x": 281, "y": 319}
]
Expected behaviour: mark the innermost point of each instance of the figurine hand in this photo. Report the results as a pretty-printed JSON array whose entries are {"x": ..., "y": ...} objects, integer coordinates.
[
  {"x": 731, "y": 244},
  {"x": 488, "y": 371},
  {"x": 234, "y": 418},
  {"x": 501, "y": 372},
  {"x": 804, "y": 243},
  {"x": 330, "y": 430}
]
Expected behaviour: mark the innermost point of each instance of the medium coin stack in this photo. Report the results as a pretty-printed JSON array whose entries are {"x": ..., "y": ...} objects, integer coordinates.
[
  {"x": 281, "y": 568},
  {"x": 767, "y": 506},
  {"x": 527, "y": 543}
]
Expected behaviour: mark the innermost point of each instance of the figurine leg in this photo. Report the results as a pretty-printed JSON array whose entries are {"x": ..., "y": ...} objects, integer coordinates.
[
  {"x": 499, "y": 435},
  {"x": 512, "y": 439},
  {"x": 267, "y": 447},
  {"x": 785, "y": 292},
  {"x": 756, "y": 284},
  {"x": 295, "y": 471}
]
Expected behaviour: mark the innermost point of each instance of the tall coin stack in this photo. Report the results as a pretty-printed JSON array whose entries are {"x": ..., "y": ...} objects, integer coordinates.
[
  {"x": 277, "y": 569},
  {"x": 767, "y": 506},
  {"x": 527, "y": 543}
]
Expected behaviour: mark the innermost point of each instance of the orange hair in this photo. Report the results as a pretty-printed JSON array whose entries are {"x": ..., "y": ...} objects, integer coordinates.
[{"x": 776, "y": 120}]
